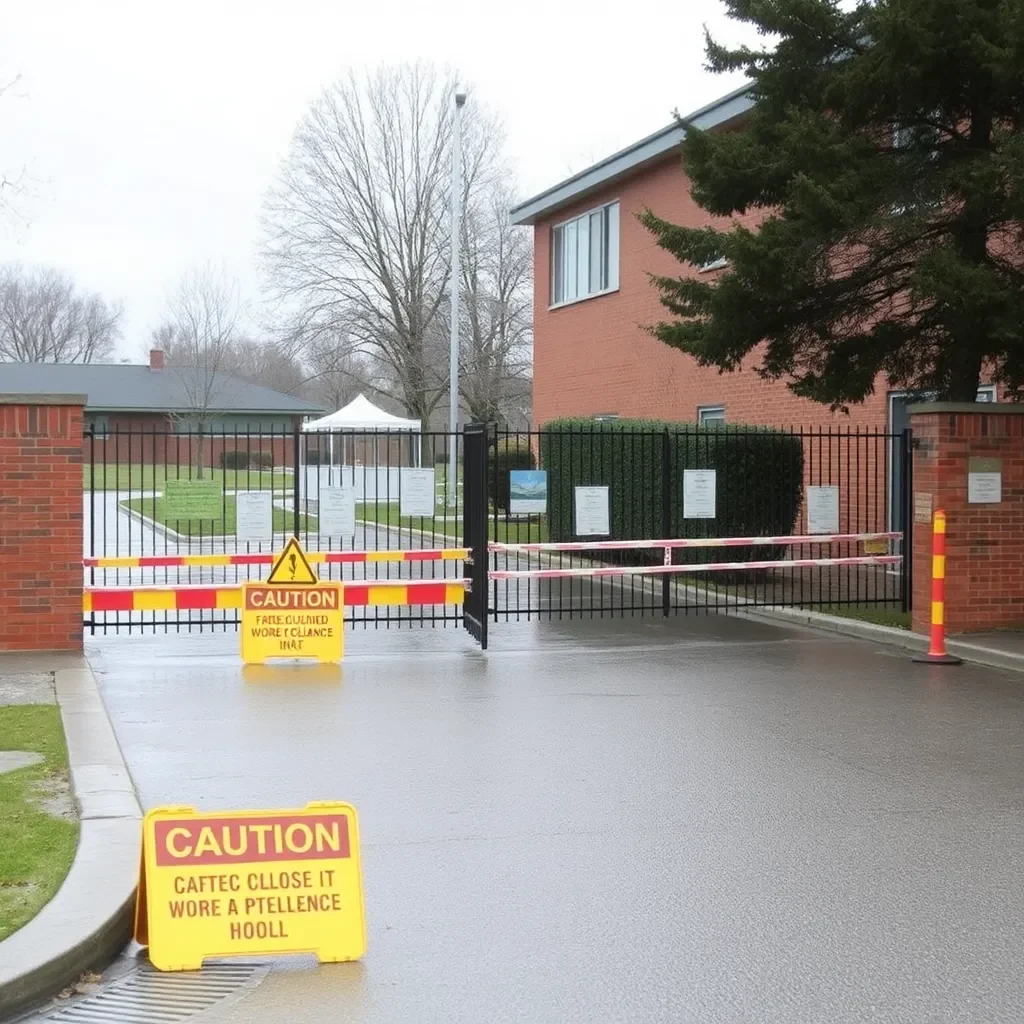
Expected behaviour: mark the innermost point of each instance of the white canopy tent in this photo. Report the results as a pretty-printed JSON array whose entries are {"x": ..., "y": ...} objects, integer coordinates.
[{"x": 361, "y": 416}]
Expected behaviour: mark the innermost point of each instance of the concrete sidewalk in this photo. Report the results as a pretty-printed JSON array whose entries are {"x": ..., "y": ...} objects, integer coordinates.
[{"x": 88, "y": 921}]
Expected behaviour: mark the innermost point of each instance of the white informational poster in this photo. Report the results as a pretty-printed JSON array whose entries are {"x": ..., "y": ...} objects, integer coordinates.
[
  {"x": 698, "y": 494},
  {"x": 254, "y": 515},
  {"x": 416, "y": 488},
  {"x": 337, "y": 512},
  {"x": 592, "y": 512},
  {"x": 823, "y": 509},
  {"x": 984, "y": 488}
]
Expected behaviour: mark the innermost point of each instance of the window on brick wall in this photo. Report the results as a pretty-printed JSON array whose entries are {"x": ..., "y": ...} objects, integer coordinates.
[
  {"x": 585, "y": 255},
  {"x": 707, "y": 414},
  {"x": 99, "y": 425}
]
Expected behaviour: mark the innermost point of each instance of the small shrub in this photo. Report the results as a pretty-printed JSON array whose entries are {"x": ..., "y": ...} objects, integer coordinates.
[
  {"x": 264, "y": 460},
  {"x": 234, "y": 458}
]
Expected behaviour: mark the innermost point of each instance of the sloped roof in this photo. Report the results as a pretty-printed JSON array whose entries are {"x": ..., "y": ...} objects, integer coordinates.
[
  {"x": 631, "y": 159},
  {"x": 361, "y": 414},
  {"x": 121, "y": 388}
]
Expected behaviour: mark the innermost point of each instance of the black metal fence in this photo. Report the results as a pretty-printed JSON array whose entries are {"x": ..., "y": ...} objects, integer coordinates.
[
  {"x": 133, "y": 510},
  {"x": 598, "y": 483},
  {"x": 765, "y": 483}
]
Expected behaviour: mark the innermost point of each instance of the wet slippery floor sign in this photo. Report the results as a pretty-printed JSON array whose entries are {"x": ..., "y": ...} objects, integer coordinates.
[
  {"x": 243, "y": 883},
  {"x": 292, "y": 614}
]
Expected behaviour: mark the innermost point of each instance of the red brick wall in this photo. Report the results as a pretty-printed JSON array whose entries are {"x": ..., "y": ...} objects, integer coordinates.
[
  {"x": 145, "y": 440},
  {"x": 594, "y": 357},
  {"x": 41, "y": 522},
  {"x": 984, "y": 542}
]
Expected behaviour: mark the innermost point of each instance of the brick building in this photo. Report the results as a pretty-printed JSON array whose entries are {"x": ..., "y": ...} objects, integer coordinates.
[
  {"x": 593, "y": 297},
  {"x": 151, "y": 413}
]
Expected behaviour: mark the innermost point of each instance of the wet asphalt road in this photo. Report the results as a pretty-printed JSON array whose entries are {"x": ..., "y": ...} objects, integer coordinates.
[{"x": 709, "y": 819}]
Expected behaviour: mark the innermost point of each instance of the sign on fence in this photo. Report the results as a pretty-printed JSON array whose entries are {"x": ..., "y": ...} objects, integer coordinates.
[
  {"x": 248, "y": 883},
  {"x": 254, "y": 516},
  {"x": 823, "y": 509},
  {"x": 336, "y": 512},
  {"x": 527, "y": 491},
  {"x": 417, "y": 492},
  {"x": 698, "y": 494},
  {"x": 592, "y": 512},
  {"x": 193, "y": 499}
]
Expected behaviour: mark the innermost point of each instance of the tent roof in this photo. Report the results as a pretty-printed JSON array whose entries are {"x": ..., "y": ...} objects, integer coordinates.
[{"x": 361, "y": 414}]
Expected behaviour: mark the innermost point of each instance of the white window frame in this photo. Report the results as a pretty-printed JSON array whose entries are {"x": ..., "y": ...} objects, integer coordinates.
[
  {"x": 722, "y": 261},
  {"x": 710, "y": 414},
  {"x": 610, "y": 250}
]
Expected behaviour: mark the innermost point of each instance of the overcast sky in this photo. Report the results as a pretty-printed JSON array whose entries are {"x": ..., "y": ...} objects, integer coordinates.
[{"x": 152, "y": 131}]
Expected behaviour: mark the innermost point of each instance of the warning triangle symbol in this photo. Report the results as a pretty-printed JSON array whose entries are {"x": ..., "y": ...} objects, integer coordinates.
[{"x": 292, "y": 566}]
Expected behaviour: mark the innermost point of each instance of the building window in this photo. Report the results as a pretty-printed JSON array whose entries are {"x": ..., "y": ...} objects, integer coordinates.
[
  {"x": 99, "y": 425},
  {"x": 606, "y": 417},
  {"x": 713, "y": 265},
  {"x": 710, "y": 414},
  {"x": 585, "y": 255}
]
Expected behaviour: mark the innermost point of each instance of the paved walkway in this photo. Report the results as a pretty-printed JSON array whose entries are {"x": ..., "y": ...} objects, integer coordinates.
[{"x": 708, "y": 819}]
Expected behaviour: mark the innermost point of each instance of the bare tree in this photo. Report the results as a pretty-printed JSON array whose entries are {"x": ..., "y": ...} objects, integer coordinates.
[
  {"x": 496, "y": 335},
  {"x": 13, "y": 185},
  {"x": 198, "y": 337},
  {"x": 43, "y": 319},
  {"x": 265, "y": 362},
  {"x": 357, "y": 225}
]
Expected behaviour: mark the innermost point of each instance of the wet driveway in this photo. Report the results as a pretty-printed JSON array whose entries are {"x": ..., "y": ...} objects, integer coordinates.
[{"x": 707, "y": 819}]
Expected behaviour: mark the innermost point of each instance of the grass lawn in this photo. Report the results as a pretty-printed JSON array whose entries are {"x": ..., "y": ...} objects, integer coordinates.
[
  {"x": 120, "y": 476},
  {"x": 446, "y": 523},
  {"x": 153, "y": 508},
  {"x": 880, "y": 614},
  {"x": 36, "y": 848}
]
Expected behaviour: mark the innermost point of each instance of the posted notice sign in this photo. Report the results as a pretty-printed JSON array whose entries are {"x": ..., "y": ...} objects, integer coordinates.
[
  {"x": 292, "y": 614},
  {"x": 245, "y": 883}
]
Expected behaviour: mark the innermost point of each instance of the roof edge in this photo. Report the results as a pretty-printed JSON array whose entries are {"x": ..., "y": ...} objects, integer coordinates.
[{"x": 630, "y": 159}]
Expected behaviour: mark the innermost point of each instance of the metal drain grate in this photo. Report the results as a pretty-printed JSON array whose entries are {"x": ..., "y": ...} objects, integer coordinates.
[{"x": 148, "y": 996}]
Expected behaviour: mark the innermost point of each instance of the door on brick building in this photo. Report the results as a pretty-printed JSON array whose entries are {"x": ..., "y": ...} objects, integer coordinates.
[{"x": 899, "y": 401}]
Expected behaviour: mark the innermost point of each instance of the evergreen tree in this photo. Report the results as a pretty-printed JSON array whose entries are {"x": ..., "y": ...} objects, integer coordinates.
[{"x": 884, "y": 149}]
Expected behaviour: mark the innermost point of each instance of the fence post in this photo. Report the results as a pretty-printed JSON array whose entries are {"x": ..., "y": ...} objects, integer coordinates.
[
  {"x": 295, "y": 482},
  {"x": 666, "y": 518},
  {"x": 907, "y": 549}
]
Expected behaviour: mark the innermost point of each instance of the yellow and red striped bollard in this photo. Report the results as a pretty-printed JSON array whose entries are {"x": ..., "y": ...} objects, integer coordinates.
[{"x": 937, "y": 654}]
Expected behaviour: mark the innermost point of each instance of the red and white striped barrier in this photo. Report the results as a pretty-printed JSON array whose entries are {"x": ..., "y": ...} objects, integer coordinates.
[
  {"x": 657, "y": 570},
  {"x": 696, "y": 542}
]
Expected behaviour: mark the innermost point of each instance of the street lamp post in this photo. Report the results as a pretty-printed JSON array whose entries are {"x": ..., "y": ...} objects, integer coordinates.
[{"x": 453, "y": 366}]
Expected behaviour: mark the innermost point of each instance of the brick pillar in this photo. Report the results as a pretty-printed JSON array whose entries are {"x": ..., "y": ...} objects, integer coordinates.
[
  {"x": 984, "y": 538},
  {"x": 41, "y": 522}
]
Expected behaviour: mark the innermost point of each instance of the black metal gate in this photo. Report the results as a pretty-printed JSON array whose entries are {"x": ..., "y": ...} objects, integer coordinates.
[
  {"x": 132, "y": 517},
  {"x": 777, "y": 484}
]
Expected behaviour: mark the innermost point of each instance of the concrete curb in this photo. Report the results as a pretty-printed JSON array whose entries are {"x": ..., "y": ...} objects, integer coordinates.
[
  {"x": 976, "y": 653},
  {"x": 89, "y": 920}
]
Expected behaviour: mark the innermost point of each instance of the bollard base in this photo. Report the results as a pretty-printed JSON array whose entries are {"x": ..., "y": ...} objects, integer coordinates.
[{"x": 937, "y": 659}]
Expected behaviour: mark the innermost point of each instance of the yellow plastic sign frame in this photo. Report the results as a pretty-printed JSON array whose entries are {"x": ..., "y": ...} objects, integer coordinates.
[
  {"x": 292, "y": 614},
  {"x": 250, "y": 883}
]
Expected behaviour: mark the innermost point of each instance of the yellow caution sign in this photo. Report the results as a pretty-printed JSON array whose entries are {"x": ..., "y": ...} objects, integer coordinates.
[
  {"x": 876, "y": 547},
  {"x": 245, "y": 883},
  {"x": 292, "y": 566},
  {"x": 292, "y": 614}
]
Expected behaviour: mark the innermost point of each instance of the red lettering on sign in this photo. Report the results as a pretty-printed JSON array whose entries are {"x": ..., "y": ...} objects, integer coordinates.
[{"x": 195, "y": 840}]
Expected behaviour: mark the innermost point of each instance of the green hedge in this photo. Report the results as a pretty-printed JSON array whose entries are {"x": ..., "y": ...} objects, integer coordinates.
[
  {"x": 509, "y": 453},
  {"x": 239, "y": 458},
  {"x": 759, "y": 478}
]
